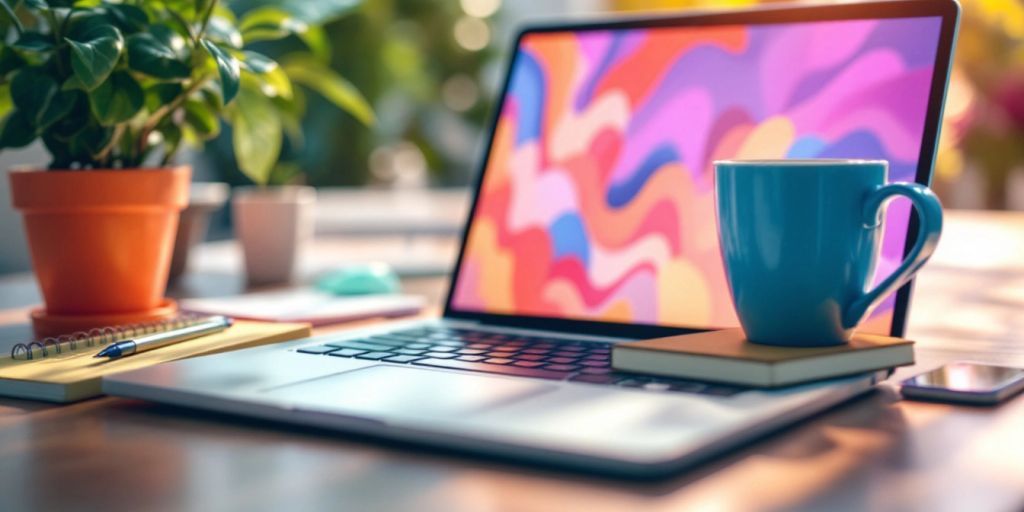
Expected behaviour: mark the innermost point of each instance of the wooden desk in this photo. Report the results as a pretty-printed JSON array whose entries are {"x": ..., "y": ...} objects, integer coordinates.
[{"x": 876, "y": 453}]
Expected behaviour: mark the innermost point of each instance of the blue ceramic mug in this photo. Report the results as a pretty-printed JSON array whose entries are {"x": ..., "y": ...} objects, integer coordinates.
[{"x": 800, "y": 240}]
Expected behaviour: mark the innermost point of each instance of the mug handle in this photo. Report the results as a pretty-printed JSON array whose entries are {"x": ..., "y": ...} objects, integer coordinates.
[{"x": 929, "y": 211}]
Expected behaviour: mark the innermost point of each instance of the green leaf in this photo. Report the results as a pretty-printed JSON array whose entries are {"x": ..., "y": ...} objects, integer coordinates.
[
  {"x": 33, "y": 42},
  {"x": 204, "y": 121},
  {"x": 129, "y": 18},
  {"x": 257, "y": 62},
  {"x": 228, "y": 68},
  {"x": 61, "y": 105},
  {"x": 33, "y": 92},
  {"x": 161, "y": 94},
  {"x": 9, "y": 11},
  {"x": 223, "y": 31},
  {"x": 9, "y": 60},
  {"x": 5, "y": 99},
  {"x": 291, "y": 112},
  {"x": 116, "y": 100},
  {"x": 317, "y": 42},
  {"x": 89, "y": 141},
  {"x": 74, "y": 121},
  {"x": 94, "y": 59},
  {"x": 17, "y": 131},
  {"x": 256, "y": 135},
  {"x": 37, "y": 4},
  {"x": 322, "y": 79},
  {"x": 272, "y": 21},
  {"x": 269, "y": 76},
  {"x": 308, "y": 11},
  {"x": 150, "y": 56}
]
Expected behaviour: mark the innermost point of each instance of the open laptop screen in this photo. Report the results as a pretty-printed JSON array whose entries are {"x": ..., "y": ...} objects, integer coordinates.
[{"x": 597, "y": 198}]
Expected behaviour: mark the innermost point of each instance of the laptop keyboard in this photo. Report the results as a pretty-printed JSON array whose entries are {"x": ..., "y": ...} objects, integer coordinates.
[{"x": 505, "y": 354}]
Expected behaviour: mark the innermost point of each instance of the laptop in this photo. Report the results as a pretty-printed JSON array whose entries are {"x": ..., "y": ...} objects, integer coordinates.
[{"x": 593, "y": 223}]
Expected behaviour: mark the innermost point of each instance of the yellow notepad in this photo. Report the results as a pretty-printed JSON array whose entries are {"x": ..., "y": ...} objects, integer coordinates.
[{"x": 76, "y": 376}]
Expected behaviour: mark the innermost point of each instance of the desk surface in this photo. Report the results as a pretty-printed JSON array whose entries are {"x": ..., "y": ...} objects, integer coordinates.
[{"x": 875, "y": 453}]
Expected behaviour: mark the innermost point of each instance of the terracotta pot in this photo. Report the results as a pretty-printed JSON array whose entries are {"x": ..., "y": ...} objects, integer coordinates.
[
  {"x": 274, "y": 225},
  {"x": 101, "y": 240}
]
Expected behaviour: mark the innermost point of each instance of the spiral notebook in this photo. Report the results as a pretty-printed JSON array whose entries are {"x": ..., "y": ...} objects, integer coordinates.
[{"x": 64, "y": 370}]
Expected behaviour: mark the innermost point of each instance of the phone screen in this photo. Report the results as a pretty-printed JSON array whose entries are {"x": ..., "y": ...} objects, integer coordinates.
[{"x": 969, "y": 377}]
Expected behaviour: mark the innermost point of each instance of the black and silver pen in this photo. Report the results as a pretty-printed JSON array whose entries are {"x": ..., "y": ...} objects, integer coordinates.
[{"x": 162, "y": 339}]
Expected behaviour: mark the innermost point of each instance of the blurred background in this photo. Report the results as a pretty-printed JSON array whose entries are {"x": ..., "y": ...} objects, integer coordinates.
[{"x": 430, "y": 68}]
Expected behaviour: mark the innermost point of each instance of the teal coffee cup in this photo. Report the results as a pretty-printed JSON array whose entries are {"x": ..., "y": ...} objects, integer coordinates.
[{"x": 800, "y": 241}]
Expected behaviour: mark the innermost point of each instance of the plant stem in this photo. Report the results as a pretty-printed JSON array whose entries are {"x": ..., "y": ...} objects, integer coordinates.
[
  {"x": 104, "y": 153},
  {"x": 14, "y": 17},
  {"x": 184, "y": 23},
  {"x": 206, "y": 18},
  {"x": 166, "y": 110},
  {"x": 58, "y": 36}
]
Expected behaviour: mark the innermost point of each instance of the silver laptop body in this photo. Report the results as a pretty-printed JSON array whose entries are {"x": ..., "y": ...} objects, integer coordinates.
[{"x": 633, "y": 427}]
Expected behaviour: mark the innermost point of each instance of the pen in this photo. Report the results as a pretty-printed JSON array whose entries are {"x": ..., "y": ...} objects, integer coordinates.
[{"x": 162, "y": 339}]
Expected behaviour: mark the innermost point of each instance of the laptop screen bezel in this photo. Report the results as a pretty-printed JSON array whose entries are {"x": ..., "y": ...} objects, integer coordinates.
[{"x": 947, "y": 10}]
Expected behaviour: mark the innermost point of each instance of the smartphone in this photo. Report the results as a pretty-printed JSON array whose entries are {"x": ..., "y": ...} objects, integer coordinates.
[{"x": 965, "y": 382}]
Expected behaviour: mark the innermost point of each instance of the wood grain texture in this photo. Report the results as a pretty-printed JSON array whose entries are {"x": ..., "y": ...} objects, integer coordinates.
[{"x": 877, "y": 453}]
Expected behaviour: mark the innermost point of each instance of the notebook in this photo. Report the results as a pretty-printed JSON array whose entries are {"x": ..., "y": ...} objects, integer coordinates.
[
  {"x": 306, "y": 305},
  {"x": 726, "y": 356},
  {"x": 74, "y": 374}
]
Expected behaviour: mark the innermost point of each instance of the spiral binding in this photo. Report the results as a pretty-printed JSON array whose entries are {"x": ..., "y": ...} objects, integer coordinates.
[{"x": 98, "y": 337}]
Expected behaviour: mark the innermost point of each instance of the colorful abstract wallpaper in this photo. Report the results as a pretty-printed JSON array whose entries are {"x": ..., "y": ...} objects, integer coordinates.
[{"x": 597, "y": 201}]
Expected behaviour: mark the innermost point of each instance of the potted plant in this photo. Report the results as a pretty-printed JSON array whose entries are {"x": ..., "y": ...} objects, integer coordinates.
[{"x": 114, "y": 90}]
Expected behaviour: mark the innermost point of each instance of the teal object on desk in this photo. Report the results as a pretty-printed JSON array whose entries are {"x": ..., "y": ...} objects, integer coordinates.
[
  {"x": 800, "y": 242},
  {"x": 374, "y": 278}
]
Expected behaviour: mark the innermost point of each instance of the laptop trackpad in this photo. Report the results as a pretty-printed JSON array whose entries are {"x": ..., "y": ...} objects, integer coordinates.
[{"x": 383, "y": 391}]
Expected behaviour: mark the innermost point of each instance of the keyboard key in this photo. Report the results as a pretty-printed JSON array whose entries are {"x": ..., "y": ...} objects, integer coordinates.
[
  {"x": 501, "y": 354},
  {"x": 484, "y": 346},
  {"x": 472, "y": 359},
  {"x": 450, "y": 343},
  {"x": 362, "y": 345},
  {"x": 562, "y": 367},
  {"x": 492, "y": 368},
  {"x": 318, "y": 349},
  {"x": 594, "y": 364},
  {"x": 412, "y": 333},
  {"x": 499, "y": 360},
  {"x": 374, "y": 356},
  {"x": 442, "y": 348},
  {"x": 391, "y": 340},
  {"x": 418, "y": 346},
  {"x": 402, "y": 359},
  {"x": 347, "y": 352},
  {"x": 560, "y": 353},
  {"x": 529, "y": 357},
  {"x": 571, "y": 348},
  {"x": 562, "y": 360},
  {"x": 440, "y": 355},
  {"x": 410, "y": 352},
  {"x": 536, "y": 351},
  {"x": 528, "y": 364}
]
